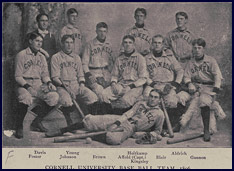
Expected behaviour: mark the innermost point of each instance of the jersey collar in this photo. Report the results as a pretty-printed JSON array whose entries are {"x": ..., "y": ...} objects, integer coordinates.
[
  {"x": 96, "y": 42},
  {"x": 72, "y": 55},
  {"x": 71, "y": 26},
  {"x": 144, "y": 28}
]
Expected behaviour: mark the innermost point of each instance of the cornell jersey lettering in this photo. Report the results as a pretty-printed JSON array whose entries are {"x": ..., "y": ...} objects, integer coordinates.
[
  {"x": 180, "y": 42},
  {"x": 144, "y": 116},
  {"x": 30, "y": 63},
  {"x": 97, "y": 50}
]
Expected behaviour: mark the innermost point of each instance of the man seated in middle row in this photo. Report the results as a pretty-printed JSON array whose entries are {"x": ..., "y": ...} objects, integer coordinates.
[
  {"x": 129, "y": 74},
  {"x": 166, "y": 74}
]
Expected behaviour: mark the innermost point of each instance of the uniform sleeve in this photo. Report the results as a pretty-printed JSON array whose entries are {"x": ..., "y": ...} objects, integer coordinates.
[
  {"x": 187, "y": 73},
  {"x": 178, "y": 70},
  {"x": 217, "y": 74},
  {"x": 159, "y": 122},
  {"x": 167, "y": 41},
  {"x": 55, "y": 67},
  {"x": 86, "y": 58},
  {"x": 130, "y": 113},
  {"x": 83, "y": 43},
  {"x": 19, "y": 68},
  {"x": 80, "y": 72},
  {"x": 115, "y": 72},
  {"x": 142, "y": 72},
  {"x": 45, "y": 73}
]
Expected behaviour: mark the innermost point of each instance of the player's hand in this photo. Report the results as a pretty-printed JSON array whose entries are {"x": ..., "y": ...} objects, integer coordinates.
[
  {"x": 52, "y": 87},
  {"x": 114, "y": 88},
  {"x": 44, "y": 53},
  {"x": 32, "y": 91},
  {"x": 192, "y": 88},
  {"x": 103, "y": 98},
  {"x": 81, "y": 88},
  {"x": 114, "y": 128}
]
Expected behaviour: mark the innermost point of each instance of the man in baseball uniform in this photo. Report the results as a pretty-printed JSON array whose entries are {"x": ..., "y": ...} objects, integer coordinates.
[
  {"x": 129, "y": 74},
  {"x": 165, "y": 71},
  {"x": 35, "y": 90},
  {"x": 140, "y": 33},
  {"x": 144, "y": 116},
  {"x": 98, "y": 61},
  {"x": 72, "y": 29},
  {"x": 202, "y": 74},
  {"x": 49, "y": 44},
  {"x": 180, "y": 39},
  {"x": 66, "y": 70}
]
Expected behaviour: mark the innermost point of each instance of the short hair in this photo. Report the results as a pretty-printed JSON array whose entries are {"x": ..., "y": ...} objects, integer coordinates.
[
  {"x": 66, "y": 36},
  {"x": 40, "y": 15},
  {"x": 34, "y": 35},
  {"x": 199, "y": 42},
  {"x": 129, "y": 37},
  {"x": 143, "y": 10},
  {"x": 160, "y": 36},
  {"x": 71, "y": 11},
  {"x": 101, "y": 24},
  {"x": 182, "y": 14},
  {"x": 155, "y": 90}
]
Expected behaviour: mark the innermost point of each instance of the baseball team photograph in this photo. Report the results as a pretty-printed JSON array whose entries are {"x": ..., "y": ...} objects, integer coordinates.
[{"x": 142, "y": 75}]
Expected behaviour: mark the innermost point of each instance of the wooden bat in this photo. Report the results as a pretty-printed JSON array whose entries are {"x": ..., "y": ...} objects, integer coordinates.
[
  {"x": 170, "y": 130},
  {"x": 185, "y": 138},
  {"x": 77, "y": 136},
  {"x": 74, "y": 102}
]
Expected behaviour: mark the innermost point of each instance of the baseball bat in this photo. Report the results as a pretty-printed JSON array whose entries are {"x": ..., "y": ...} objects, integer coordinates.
[
  {"x": 77, "y": 136},
  {"x": 169, "y": 127},
  {"x": 74, "y": 102},
  {"x": 182, "y": 139}
]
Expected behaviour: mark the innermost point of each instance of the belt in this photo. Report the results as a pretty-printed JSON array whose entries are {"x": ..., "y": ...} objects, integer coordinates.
[
  {"x": 32, "y": 78},
  {"x": 205, "y": 83},
  {"x": 105, "y": 67}
]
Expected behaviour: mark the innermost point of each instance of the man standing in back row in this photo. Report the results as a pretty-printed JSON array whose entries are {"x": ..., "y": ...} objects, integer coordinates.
[
  {"x": 180, "y": 39},
  {"x": 72, "y": 29},
  {"x": 140, "y": 33}
]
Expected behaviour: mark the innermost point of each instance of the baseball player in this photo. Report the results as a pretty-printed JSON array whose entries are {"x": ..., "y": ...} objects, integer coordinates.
[
  {"x": 129, "y": 74},
  {"x": 36, "y": 93},
  {"x": 165, "y": 71},
  {"x": 144, "y": 116},
  {"x": 72, "y": 29},
  {"x": 180, "y": 39},
  {"x": 202, "y": 74},
  {"x": 66, "y": 70},
  {"x": 140, "y": 33},
  {"x": 49, "y": 44},
  {"x": 97, "y": 62}
]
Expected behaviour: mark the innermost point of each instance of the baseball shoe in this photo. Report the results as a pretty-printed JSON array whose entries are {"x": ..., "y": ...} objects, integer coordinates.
[
  {"x": 37, "y": 126},
  {"x": 176, "y": 128},
  {"x": 206, "y": 137},
  {"x": 19, "y": 133},
  {"x": 53, "y": 133}
]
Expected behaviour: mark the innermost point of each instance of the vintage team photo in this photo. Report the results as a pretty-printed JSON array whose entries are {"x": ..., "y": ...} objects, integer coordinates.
[{"x": 142, "y": 75}]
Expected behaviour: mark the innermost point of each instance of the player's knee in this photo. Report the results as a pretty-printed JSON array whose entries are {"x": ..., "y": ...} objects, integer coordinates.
[
  {"x": 52, "y": 98},
  {"x": 205, "y": 100},
  {"x": 183, "y": 97},
  {"x": 91, "y": 96},
  {"x": 112, "y": 138},
  {"x": 24, "y": 96},
  {"x": 64, "y": 98}
]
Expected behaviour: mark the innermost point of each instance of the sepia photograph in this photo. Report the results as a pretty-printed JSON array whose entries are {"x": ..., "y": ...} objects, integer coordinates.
[{"x": 109, "y": 77}]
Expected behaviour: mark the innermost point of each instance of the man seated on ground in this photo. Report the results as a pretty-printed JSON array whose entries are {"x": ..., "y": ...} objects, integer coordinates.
[
  {"x": 165, "y": 72},
  {"x": 144, "y": 116},
  {"x": 129, "y": 74}
]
